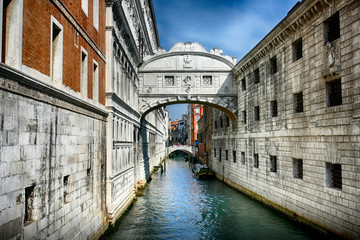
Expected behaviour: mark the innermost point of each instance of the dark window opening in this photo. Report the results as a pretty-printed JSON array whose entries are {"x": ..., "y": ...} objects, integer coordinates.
[
  {"x": 334, "y": 93},
  {"x": 298, "y": 168},
  {"x": 273, "y": 65},
  {"x": 333, "y": 176},
  {"x": 297, "y": 50},
  {"x": 257, "y": 113},
  {"x": 216, "y": 124},
  {"x": 226, "y": 155},
  {"x": 244, "y": 117},
  {"x": 6, "y": 8},
  {"x": 274, "y": 108},
  {"x": 234, "y": 156},
  {"x": 243, "y": 158},
  {"x": 227, "y": 121},
  {"x": 256, "y": 76},
  {"x": 298, "y": 102},
  {"x": 29, "y": 203},
  {"x": 243, "y": 84},
  {"x": 332, "y": 28},
  {"x": 214, "y": 152},
  {"x": 219, "y": 155},
  {"x": 256, "y": 160},
  {"x": 273, "y": 163},
  {"x": 66, "y": 188},
  {"x": 221, "y": 123}
]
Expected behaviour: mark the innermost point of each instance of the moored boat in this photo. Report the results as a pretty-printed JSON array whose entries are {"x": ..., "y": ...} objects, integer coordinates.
[{"x": 202, "y": 171}]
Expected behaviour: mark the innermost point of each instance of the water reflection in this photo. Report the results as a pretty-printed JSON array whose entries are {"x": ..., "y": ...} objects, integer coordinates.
[{"x": 178, "y": 206}]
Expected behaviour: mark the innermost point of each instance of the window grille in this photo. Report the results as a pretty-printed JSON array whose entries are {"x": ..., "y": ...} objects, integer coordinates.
[
  {"x": 332, "y": 28},
  {"x": 298, "y": 102},
  {"x": 273, "y": 163},
  {"x": 274, "y": 108},
  {"x": 256, "y": 160},
  {"x": 297, "y": 50},
  {"x": 207, "y": 80},
  {"x": 169, "y": 80},
  {"x": 297, "y": 168},
  {"x": 334, "y": 93},
  {"x": 257, "y": 113},
  {"x": 256, "y": 75},
  {"x": 333, "y": 175},
  {"x": 243, "y": 84},
  {"x": 273, "y": 65}
]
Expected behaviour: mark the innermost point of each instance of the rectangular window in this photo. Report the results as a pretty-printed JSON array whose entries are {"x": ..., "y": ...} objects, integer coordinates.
[
  {"x": 84, "y": 73},
  {"x": 234, "y": 156},
  {"x": 207, "y": 80},
  {"x": 333, "y": 92},
  {"x": 333, "y": 175},
  {"x": 297, "y": 168},
  {"x": 244, "y": 117},
  {"x": 85, "y": 6},
  {"x": 298, "y": 102},
  {"x": 297, "y": 49},
  {"x": 29, "y": 201},
  {"x": 273, "y": 163},
  {"x": 256, "y": 160},
  {"x": 257, "y": 113},
  {"x": 332, "y": 28},
  {"x": 274, "y": 108},
  {"x": 226, "y": 155},
  {"x": 273, "y": 65},
  {"x": 221, "y": 123},
  {"x": 256, "y": 76},
  {"x": 215, "y": 123},
  {"x": 96, "y": 14},
  {"x": 96, "y": 81},
  {"x": 219, "y": 155},
  {"x": 66, "y": 188},
  {"x": 243, "y": 84},
  {"x": 227, "y": 121},
  {"x": 56, "y": 52},
  {"x": 243, "y": 158},
  {"x": 169, "y": 80},
  {"x": 214, "y": 152}
]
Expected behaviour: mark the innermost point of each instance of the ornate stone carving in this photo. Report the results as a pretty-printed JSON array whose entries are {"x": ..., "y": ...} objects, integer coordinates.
[
  {"x": 187, "y": 61},
  {"x": 188, "y": 89},
  {"x": 149, "y": 90},
  {"x": 187, "y": 80}
]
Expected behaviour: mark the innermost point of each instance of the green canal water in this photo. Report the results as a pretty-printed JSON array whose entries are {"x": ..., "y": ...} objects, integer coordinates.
[{"x": 178, "y": 206}]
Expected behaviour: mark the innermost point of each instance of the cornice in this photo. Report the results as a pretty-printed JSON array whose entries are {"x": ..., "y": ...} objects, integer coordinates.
[{"x": 297, "y": 18}]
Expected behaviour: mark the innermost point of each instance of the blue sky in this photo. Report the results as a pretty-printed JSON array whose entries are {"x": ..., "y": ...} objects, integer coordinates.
[{"x": 235, "y": 26}]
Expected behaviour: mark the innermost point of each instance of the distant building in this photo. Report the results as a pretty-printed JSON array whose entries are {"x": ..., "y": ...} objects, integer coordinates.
[{"x": 195, "y": 113}]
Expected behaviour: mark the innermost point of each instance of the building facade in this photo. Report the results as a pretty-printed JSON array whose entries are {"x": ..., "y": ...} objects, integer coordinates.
[
  {"x": 73, "y": 149},
  {"x": 296, "y": 144}
]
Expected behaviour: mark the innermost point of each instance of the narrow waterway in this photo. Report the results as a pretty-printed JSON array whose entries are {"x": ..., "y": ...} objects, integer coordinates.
[{"x": 178, "y": 206}]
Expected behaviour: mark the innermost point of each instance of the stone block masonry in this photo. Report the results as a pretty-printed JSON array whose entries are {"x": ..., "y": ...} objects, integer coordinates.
[
  {"x": 313, "y": 137},
  {"x": 52, "y": 176}
]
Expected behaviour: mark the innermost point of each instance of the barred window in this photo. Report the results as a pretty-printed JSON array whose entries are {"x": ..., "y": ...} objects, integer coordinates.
[
  {"x": 257, "y": 113},
  {"x": 297, "y": 47},
  {"x": 273, "y": 65},
  {"x": 207, "y": 80},
  {"x": 298, "y": 102},
  {"x": 333, "y": 175},
  {"x": 169, "y": 80},
  {"x": 256, "y": 75},
  {"x": 243, "y": 84},
  {"x": 244, "y": 117},
  {"x": 274, "y": 108},
  {"x": 334, "y": 95},
  {"x": 273, "y": 163},
  {"x": 297, "y": 168},
  {"x": 332, "y": 28},
  {"x": 243, "y": 158},
  {"x": 256, "y": 160}
]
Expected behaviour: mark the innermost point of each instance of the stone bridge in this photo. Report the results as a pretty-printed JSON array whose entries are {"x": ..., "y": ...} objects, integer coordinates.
[
  {"x": 184, "y": 148},
  {"x": 188, "y": 74}
]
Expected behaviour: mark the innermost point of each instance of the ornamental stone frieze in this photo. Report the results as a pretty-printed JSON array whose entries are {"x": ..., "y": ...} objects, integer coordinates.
[{"x": 188, "y": 73}]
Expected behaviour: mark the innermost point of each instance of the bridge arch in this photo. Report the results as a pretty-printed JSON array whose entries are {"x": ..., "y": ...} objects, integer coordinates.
[{"x": 188, "y": 74}]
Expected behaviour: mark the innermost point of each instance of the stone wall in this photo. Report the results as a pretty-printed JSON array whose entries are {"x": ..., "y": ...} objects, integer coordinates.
[
  {"x": 51, "y": 166},
  {"x": 300, "y": 153}
]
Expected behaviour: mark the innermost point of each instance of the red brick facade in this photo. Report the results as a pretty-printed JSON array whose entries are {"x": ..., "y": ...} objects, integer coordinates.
[{"x": 36, "y": 45}]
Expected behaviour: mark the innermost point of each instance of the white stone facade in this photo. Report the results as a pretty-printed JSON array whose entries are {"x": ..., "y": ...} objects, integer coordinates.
[{"x": 300, "y": 153}]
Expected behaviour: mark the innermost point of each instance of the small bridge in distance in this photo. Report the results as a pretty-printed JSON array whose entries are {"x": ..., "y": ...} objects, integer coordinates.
[{"x": 183, "y": 148}]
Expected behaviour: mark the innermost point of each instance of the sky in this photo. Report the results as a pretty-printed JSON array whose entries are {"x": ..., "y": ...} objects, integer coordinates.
[{"x": 235, "y": 26}]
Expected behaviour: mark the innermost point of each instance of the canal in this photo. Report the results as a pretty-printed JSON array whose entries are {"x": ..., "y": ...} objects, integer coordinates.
[{"x": 178, "y": 206}]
